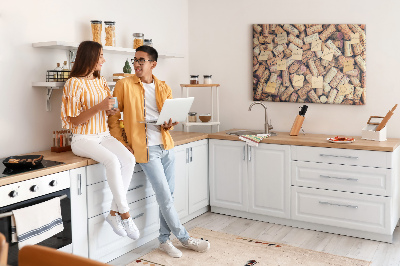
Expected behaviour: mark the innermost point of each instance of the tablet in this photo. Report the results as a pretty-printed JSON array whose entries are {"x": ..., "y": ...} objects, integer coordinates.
[{"x": 176, "y": 109}]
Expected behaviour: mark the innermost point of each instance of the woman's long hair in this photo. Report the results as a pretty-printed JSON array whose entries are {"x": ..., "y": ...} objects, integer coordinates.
[{"x": 86, "y": 59}]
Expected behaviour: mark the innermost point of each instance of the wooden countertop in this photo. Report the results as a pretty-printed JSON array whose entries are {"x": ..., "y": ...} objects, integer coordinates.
[
  {"x": 314, "y": 140},
  {"x": 318, "y": 140}
]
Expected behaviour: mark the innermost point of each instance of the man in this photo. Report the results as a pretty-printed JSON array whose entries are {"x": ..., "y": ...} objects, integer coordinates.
[{"x": 141, "y": 98}]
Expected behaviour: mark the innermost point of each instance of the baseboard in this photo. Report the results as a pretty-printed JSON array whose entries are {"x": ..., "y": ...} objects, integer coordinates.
[{"x": 195, "y": 214}]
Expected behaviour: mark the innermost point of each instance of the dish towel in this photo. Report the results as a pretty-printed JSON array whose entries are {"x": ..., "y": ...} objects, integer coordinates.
[
  {"x": 33, "y": 224},
  {"x": 253, "y": 140}
]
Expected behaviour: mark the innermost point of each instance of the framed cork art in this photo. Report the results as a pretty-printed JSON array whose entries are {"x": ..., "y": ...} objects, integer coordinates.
[{"x": 309, "y": 63}]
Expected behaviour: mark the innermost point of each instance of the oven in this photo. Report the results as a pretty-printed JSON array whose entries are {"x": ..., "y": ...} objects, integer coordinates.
[{"x": 33, "y": 191}]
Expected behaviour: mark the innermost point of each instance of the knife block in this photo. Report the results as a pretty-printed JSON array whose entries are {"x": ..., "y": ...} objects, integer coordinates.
[{"x": 298, "y": 122}]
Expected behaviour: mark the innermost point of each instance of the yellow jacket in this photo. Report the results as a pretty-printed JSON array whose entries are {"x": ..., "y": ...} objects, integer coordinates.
[{"x": 130, "y": 94}]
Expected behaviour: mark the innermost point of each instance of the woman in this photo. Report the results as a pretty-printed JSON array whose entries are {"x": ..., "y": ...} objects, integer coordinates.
[{"x": 86, "y": 104}]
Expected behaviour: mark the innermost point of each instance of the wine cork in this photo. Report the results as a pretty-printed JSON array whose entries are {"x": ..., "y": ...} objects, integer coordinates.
[
  {"x": 313, "y": 68},
  {"x": 302, "y": 35},
  {"x": 255, "y": 67},
  {"x": 332, "y": 95},
  {"x": 307, "y": 55},
  {"x": 279, "y": 30},
  {"x": 303, "y": 92},
  {"x": 357, "y": 29},
  {"x": 323, "y": 99},
  {"x": 314, "y": 98},
  {"x": 357, "y": 48},
  {"x": 309, "y": 78},
  {"x": 327, "y": 32},
  {"x": 269, "y": 38},
  {"x": 257, "y": 28},
  {"x": 306, "y": 47},
  {"x": 285, "y": 95},
  {"x": 300, "y": 27},
  {"x": 292, "y": 30},
  {"x": 294, "y": 66},
  {"x": 330, "y": 75},
  {"x": 265, "y": 29},
  {"x": 336, "y": 79},
  {"x": 320, "y": 68},
  {"x": 354, "y": 72},
  {"x": 293, "y": 47},
  {"x": 260, "y": 72},
  {"x": 347, "y": 48},
  {"x": 345, "y": 30},
  {"x": 361, "y": 63},
  {"x": 256, "y": 50},
  {"x": 355, "y": 81},
  {"x": 338, "y": 43},
  {"x": 337, "y": 36},
  {"x": 363, "y": 79},
  {"x": 255, "y": 42},
  {"x": 288, "y": 53},
  {"x": 279, "y": 49},
  {"x": 326, "y": 88},
  {"x": 338, "y": 99},
  {"x": 301, "y": 70},
  {"x": 272, "y": 27},
  {"x": 296, "y": 41},
  {"x": 344, "y": 80},
  {"x": 332, "y": 46},
  {"x": 311, "y": 38},
  {"x": 319, "y": 91},
  {"x": 357, "y": 93},
  {"x": 293, "y": 97},
  {"x": 281, "y": 90},
  {"x": 285, "y": 78},
  {"x": 314, "y": 29}
]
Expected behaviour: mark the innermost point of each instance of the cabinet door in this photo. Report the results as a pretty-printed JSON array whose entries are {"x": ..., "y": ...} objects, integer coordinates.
[
  {"x": 181, "y": 180},
  {"x": 198, "y": 175},
  {"x": 227, "y": 172},
  {"x": 269, "y": 180},
  {"x": 79, "y": 212}
]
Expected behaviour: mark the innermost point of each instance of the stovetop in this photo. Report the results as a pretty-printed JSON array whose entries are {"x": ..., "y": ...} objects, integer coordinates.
[{"x": 4, "y": 171}]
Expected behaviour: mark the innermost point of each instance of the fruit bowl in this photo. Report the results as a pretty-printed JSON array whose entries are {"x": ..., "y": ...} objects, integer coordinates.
[{"x": 205, "y": 118}]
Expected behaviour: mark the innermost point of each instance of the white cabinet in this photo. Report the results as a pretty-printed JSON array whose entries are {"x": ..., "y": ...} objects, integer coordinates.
[
  {"x": 191, "y": 179},
  {"x": 250, "y": 179}
]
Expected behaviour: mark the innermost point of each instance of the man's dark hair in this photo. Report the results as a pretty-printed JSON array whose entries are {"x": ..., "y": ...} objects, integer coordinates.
[{"x": 149, "y": 50}]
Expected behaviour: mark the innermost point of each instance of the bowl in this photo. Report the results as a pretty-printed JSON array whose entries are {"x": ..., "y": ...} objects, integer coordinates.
[{"x": 205, "y": 117}]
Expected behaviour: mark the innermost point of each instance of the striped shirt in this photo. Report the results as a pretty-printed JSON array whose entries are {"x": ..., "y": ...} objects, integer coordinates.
[{"x": 79, "y": 95}]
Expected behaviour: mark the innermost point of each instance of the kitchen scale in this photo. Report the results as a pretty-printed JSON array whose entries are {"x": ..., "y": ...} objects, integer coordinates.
[{"x": 5, "y": 171}]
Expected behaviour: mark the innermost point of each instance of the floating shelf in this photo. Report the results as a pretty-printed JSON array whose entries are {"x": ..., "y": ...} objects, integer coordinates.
[
  {"x": 108, "y": 49},
  {"x": 59, "y": 85},
  {"x": 199, "y": 85},
  {"x": 188, "y": 124}
]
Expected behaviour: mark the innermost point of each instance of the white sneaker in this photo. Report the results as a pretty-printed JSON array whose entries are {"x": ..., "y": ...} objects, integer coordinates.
[
  {"x": 116, "y": 224},
  {"x": 198, "y": 245},
  {"x": 130, "y": 228},
  {"x": 168, "y": 248}
]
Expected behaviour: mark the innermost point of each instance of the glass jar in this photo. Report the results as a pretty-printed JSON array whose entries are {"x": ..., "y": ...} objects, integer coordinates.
[
  {"x": 194, "y": 79},
  {"x": 207, "y": 79},
  {"x": 137, "y": 40},
  {"x": 148, "y": 42},
  {"x": 110, "y": 33},
  {"x": 96, "y": 30},
  {"x": 192, "y": 117}
]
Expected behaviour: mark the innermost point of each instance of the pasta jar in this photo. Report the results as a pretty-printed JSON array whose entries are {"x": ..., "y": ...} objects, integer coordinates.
[
  {"x": 207, "y": 79},
  {"x": 194, "y": 79},
  {"x": 110, "y": 33},
  {"x": 148, "y": 42},
  {"x": 192, "y": 117},
  {"x": 96, "y": 30},
  {"x": 137, "y": 40}
]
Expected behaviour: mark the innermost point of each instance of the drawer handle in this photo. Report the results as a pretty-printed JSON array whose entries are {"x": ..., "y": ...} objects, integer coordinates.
[
  {"x": 340, "y": 205},
  {"x": 342, "y": 178},
  {"x": 139, "y": 215},
  {"x": 338, "y": 156},
  {"x": 138, "y": 186}
]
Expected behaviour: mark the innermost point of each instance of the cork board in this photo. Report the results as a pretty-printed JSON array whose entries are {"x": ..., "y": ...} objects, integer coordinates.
[{"x": 309, "y": 63}]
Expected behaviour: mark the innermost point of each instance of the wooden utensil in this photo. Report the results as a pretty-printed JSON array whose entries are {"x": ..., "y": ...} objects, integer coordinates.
[{"x": 385, "y": 119}]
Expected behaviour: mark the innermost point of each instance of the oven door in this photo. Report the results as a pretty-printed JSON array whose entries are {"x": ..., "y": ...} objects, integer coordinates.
[{"x": 61, "y": 241}]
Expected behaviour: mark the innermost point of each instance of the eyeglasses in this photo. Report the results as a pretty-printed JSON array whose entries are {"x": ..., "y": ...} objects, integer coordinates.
[{"x": 141, "y": 61}]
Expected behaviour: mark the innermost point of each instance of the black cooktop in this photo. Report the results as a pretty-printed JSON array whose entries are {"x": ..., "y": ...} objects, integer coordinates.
[{"x": 4, "y": 171}]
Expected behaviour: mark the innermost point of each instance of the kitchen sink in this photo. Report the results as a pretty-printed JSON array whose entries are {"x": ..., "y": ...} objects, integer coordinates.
[{"x": 248, "y": 132}]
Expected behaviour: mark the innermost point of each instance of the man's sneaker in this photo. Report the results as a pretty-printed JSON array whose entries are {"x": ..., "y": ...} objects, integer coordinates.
[
  {"x": 116, "y": 224},
  {"x": 168, "y": 248},
  {"x": 130, "y": 228},
  {"x": 198, "y": 245}
]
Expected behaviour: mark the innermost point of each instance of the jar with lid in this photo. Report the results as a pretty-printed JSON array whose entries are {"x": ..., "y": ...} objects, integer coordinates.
[
  {"x": 194, "y": 79},
  {"x": 207, "y": 79},
  {"x": 110, "y": 33},
  {"x": 148, "y": 42},
  {"x": 96, "y": 30},
  {"x": 192, "y": 116},
  {"x": 137, "y": 40}
]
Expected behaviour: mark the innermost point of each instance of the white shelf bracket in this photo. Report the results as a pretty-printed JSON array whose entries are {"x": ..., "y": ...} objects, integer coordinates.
[{"x": 48, "y": 96}]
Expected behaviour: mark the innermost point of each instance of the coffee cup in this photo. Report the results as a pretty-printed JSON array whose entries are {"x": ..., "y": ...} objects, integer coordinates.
[{"x": 115, "y": 106}]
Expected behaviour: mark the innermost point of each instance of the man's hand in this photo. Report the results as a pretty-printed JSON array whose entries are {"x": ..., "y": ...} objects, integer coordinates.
[{"x": 168, "y": 125}]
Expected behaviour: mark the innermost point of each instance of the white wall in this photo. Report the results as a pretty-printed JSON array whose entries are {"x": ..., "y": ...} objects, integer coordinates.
[
  {"x": 220, "y": 43},
  {"x": 25, "y": 124}
]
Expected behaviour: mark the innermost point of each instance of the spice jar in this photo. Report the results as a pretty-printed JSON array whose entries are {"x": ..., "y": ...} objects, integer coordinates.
[
  {"x": 110, "y": 33},
  {"x": 137, "y": 40},
  {"x": 192, "y": 117},
  {"x": 194, "y": 79},
  {"x": 207, "y": 79},
  {"x": 96, "y": 30},
  {"x": 148, "y": 42}
]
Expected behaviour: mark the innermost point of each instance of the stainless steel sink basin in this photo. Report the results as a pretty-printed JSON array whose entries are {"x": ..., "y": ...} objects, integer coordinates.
[{"x": 248, "y": 132}]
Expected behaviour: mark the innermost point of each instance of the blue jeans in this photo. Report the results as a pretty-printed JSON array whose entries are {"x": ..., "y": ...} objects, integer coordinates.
[{"x": 160, "y": 170}]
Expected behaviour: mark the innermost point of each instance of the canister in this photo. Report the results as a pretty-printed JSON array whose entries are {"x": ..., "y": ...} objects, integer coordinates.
[
  {"x": 194, "y": 79},
  {"x": 148, "y": 42},
  {"x": 96, "y": 30},
  {"x": 137, "y": 40},
  {"x": 192, "y": 117},
  {"x": 207, "y": 79},
  {"x": 110, "y": 33}
]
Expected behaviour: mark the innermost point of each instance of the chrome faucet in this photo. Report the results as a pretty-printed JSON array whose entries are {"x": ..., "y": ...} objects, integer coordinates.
[{"x": 267, "y": 126}]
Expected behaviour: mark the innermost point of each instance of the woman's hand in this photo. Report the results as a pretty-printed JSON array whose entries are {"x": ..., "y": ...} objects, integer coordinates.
[
  {"x": 106, "y": 104},
  {"x": 113, "y": 111},
  {"x": 168, "y": 125}
]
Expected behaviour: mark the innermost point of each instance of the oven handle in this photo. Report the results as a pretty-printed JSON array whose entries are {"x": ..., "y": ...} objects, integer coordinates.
[{"x": 6, "y": 214}]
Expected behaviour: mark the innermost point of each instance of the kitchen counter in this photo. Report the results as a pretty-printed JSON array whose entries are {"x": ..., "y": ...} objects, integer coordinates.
[{"x": 318, "y": 140}]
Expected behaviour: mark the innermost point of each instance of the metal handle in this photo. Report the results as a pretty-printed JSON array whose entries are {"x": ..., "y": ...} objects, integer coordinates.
[
  {"x": 340, "y": 205},
  {"x": 337, "y": 156},
  {"x": 342, "y": 178},
  {"x": 249, "y": 152},
  {"x": 139, "y": 215},
  {"x": 244, "y": 152},
  {"x": 191, "y": 154},
  {"x": 79, "y": 184},
  {"x": 187, "y": 155}
]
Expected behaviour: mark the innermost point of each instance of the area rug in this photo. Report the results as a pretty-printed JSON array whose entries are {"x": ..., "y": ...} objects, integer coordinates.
[{"x": 229, "y": 249}]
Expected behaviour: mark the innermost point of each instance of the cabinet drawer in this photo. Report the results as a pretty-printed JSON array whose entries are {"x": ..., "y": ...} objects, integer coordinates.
[
  {"x": 342, "y": 209},
  {"x": 97, "y": 173},
  {"x": 368, "y": 180},
  {"x": 99, "y": 195},
  {"x": 105, "y": 245},
  {"x": 342, "y": 156}
]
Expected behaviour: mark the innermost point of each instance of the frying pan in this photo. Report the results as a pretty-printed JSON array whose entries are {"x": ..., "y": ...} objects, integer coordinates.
[{"x": 23, "y": 161}]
